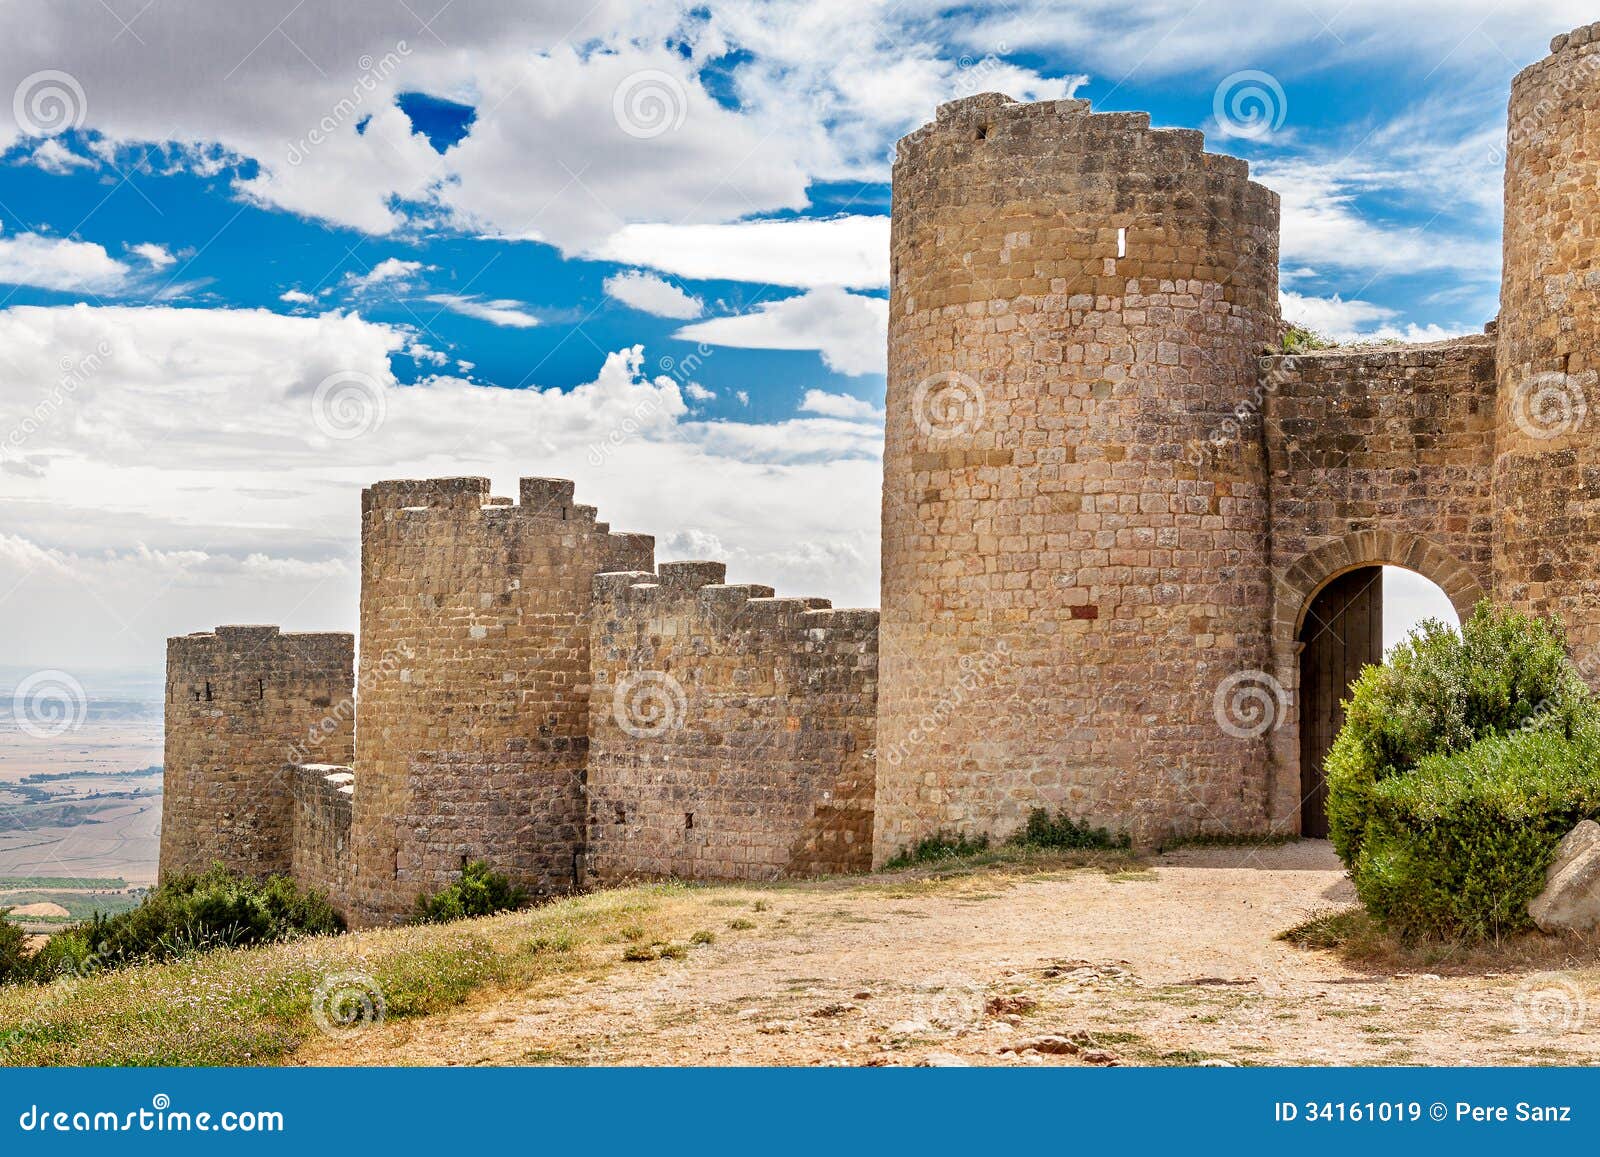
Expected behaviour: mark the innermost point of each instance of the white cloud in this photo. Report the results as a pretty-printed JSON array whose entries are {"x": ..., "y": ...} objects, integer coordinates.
[
  {"x": 654, "y": 295},
  {"x": 156, "y": 256},
  {"x": 697, "y": 392},
  {"x": 743, "y": 396},
  {"x": 838, "y": 406},
  {"x": 849, "y": 330},
  {"x": 54, "y": 157},
  {"x": 500, "y": 311},
  {"x": 800, "y": 252},
  {"x": 59, "y": 263},
  {"x": 1356, "y": 320},
  {"x": 295, "y": 297},
  {"x": 191, "y": 445},
  {"x": 391, "y": 273}
]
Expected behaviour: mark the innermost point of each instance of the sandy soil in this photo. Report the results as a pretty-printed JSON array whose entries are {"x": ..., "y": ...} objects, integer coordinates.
[
  {"x": 43, "y": 908},
  {"x": 1173, "y": 963}
]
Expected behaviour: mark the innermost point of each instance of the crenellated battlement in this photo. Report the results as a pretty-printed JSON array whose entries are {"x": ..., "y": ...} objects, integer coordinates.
[{"x": 730, "y": 730}]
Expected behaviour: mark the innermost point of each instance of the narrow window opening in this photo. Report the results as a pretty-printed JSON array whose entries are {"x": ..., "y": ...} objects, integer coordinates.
[
  {"x": 1122, "y": 242},
  {"x": 983, "y": 132},
  {"x": 261, "y": 688},
  {"x": 621, "y": 814},
  {"x": 688, "y": 821},
  {"x": 208, "y": 691}
]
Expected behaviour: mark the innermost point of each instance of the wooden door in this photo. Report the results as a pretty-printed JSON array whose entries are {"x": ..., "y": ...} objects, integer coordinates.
[{"x": 1343, "y": 632}]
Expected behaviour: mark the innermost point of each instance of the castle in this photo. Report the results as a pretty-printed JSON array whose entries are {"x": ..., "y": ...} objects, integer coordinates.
[{"x": 1129, "y": 557}]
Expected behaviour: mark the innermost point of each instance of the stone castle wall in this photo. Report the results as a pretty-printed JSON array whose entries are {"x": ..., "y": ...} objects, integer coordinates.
[
  {"x": 1547, "y": 473},
  {"x": 1381, "y": 455},
  {"x": 473, "y": 717},
  {"x": 240, "y": 703},
  {"x": 1075, "y": 298},
  {"x": 730, "y": 732},
  {"x": 320, "y": 853}
]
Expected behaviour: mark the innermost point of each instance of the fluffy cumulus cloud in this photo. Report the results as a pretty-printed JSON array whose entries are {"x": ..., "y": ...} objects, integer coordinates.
[
  {"x": 651, "y": 294},
  {"x": 59, "y": 263},
  {"x": 165, "y": 469},
  {"x": 585, "y": 122},
  {"x": 849, "y": 330},
  {"x": 1356, "y": 320}
]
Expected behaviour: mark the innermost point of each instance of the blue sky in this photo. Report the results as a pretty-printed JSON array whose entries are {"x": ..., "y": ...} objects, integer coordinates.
[{"x": 255, "y": 255}]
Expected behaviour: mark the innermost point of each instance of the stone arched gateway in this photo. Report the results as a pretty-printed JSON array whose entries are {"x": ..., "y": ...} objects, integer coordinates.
[{"x": 1318, "y": 653}]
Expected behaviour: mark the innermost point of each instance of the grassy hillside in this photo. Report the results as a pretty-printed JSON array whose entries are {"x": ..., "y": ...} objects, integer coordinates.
[{"x": 255, "y": 1006}]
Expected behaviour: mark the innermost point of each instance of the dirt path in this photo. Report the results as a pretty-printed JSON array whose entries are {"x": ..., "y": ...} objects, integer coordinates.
[{"x": 1172, "y": 963}]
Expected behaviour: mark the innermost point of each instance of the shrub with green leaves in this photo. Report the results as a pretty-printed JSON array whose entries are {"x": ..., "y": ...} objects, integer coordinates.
[
  {"x": 1460, "y": 845},
  {"x": 1062, "y": 831},
  {"x": 13, "y": 950},
  {"x": 1440, "y": 692},
  {"x": 1463, "y": 761},
  {"x": 187, "y": 914},
  {"x": 480, "y": 891}
]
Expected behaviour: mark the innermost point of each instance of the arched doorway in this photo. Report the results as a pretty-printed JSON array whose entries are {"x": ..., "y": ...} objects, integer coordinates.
[
  {"x": 1352, "y": 621},
  {"x": 1342, "y": 633}
]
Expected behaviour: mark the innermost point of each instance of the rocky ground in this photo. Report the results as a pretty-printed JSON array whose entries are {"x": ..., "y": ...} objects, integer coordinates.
[{"x": 1171, "y": 961}]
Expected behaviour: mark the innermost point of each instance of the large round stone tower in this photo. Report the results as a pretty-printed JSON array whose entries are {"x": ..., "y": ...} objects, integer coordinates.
[
  {"x": 1073, "y": 598},
  {"x": 1547, "y": 467}
]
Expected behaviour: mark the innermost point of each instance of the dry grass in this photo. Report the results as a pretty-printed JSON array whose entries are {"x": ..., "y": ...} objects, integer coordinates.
[
  {"x": 255, "y": 1006},
  {"x": 1355, "y": 938}
]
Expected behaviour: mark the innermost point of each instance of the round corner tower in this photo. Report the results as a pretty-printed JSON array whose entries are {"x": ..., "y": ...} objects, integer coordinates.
[
  {"x": 1076, "y": 302},
  {"x": 1547, "y": 465},
  {"x": 242, "y": 704}
]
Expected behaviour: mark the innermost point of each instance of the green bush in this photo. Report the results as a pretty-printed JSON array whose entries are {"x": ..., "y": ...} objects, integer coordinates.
[
  {"x": 1061, "y": 831},
  {"x": 1460, "y": 845},
  {"x": 188, "y": 913},
  {"x": 939, "y": 846},
  {"x": 480, "y": 891},
  {"x": 1440, "y": 692},
  {"x": 13, "y": 950}
]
